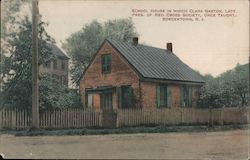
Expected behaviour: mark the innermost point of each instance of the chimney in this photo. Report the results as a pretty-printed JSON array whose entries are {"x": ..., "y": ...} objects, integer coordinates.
[
  {"x": 170, "y": 47},
  {"x": 135, "y": 41}
]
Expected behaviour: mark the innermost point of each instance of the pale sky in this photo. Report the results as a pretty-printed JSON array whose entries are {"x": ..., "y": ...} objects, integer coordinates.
[{"x": 211, "y": 46}]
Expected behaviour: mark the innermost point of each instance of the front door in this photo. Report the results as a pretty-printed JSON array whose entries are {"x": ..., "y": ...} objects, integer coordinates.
[
  {"x": 109, "y": 116},
  {"x": 106, "y": 100}
]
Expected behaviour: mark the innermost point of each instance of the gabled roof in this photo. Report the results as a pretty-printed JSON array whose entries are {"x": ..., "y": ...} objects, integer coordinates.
[
  {"x": 58, "y": 52},
  {"x": 155, "y": 63}
]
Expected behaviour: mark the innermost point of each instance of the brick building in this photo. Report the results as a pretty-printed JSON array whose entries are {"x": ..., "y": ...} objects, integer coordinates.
[
  {"x": 57, "y": 67},
  {"x": 130, "y": 75}
]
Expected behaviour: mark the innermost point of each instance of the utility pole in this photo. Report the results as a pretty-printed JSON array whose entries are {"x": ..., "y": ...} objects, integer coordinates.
[{"x": 35, "y": 71}]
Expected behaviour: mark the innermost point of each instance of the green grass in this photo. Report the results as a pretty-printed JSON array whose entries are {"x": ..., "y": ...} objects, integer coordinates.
[{"x": 127, "y": 130}]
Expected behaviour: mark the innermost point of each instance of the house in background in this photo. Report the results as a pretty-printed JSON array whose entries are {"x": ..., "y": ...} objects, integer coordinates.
[
  {"x": 130, "y": 75},
  {"x": 58, "y": 66}
]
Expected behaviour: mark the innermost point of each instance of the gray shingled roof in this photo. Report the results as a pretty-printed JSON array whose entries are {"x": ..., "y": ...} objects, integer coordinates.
[
  {"x": 58, "y": 52},
  {"x": 155, "y": 63}
]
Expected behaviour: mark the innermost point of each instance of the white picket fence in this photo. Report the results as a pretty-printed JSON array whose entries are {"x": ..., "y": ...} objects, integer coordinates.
[
  {"x": 80, "y": 118},
  {"x": 182, "y": 116},
  {"x": 67, "y": 118}
]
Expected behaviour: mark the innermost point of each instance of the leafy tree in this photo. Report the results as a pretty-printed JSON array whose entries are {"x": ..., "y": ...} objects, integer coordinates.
[
  {"x": 17, "y": 89},
  {"x": 16, "y": 68},
  {"x": 17, "y": 86},
  {"x": 229, "y": 89},
  {"x": 10, "y": 15},
  {"x": 83, "y": 44},
  {"x": 55, "y": 96}
]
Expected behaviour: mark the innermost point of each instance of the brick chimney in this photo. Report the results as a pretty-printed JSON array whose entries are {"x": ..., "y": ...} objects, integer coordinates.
[
  {"x": 170, "y": 47},
  {"x": 135, "y": 40}
]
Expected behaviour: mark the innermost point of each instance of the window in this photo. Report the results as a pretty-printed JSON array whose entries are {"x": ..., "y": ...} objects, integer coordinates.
[
  {"x": 106, "y": 63},
  {"x": 126, "y": 97},
  {"x": 55, "y": 64},
  {"x": 106, "y": 100},
  {"x": 64, "y": 80},
  {"x": 186, "y": 96},
  {"x": 63, "y": 65},
  {"x": 163, "y": 96}
]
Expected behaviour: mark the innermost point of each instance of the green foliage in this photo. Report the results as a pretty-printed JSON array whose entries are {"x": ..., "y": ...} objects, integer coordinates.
[
  {"x": 83, "y": 44},
  {"x": 10, "y": 14},
  {"x": 230, "y": 89},
  {"x": 17, "y": 89},
  {"x": 18, "y": 66},
  {"x": 55, "y": 96},
  {"x": 16, "y": 63}
]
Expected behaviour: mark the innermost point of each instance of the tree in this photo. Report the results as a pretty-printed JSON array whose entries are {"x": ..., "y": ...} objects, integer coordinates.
[
  {"x": 17, "y": 86},
  {"x": 229, "y": 89},
  {"x": 55, "y": 96},
  {"x": 83, "y": 44},
  {"x": 10, "y": 15},
  {"x": 16, "y": 69}
]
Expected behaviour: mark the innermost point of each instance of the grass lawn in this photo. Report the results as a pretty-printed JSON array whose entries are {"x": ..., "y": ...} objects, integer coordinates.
[{"x": 127, "y": 130}]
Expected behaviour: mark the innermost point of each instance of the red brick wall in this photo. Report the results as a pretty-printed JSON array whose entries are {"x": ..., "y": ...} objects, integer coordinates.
[
  {"x": 148, "y": 91},
  {"x": 149, "y": 98},
  {"x": 175, "y": 89},
  {"x": 121, "y": 73}
]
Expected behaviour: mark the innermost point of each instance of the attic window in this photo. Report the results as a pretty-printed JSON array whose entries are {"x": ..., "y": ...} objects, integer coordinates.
[{"x": 106, "y": 63}]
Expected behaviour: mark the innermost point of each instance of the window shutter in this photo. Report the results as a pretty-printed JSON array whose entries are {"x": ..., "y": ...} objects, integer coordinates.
[
  {"x": 119, "y": 94},
  {"x": 190, "y": 96},
  {"x": 103, "y": 63},
  {"x": 108, "y": 59},
  {"x": 181, "y": 96},
  {"x": 158, "y": 95},
  {"x": 169, "y": 96},
  {"x": 130, "y": 96},
  {"x": 102, "y": 103}
]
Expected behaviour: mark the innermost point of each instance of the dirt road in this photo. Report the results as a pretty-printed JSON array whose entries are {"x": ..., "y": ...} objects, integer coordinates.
[{"x": 212, "y": 145}]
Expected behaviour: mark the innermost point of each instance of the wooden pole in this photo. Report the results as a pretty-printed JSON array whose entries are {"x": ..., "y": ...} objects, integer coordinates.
[{"x": 35, "y": 87}]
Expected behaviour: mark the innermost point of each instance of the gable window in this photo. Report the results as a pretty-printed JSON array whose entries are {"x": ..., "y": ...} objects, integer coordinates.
[
  {"x": 163, "y": 95},
  {"x": 106, "y": 63},
  {"x": 186, "y": 96}
]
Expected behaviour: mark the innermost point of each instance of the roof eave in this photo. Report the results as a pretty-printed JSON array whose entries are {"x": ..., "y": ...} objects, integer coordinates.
[{"x": 173, "y": 81}]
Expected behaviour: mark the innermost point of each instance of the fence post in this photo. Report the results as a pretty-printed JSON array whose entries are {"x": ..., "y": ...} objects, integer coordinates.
[
  {"x": 222, "y": 115},
  {"x": 181, "y": 109},
  {"x": 117, "y": 118},
  {"x": 210, "y": 116},
  {"x": 100, "y": 118}
]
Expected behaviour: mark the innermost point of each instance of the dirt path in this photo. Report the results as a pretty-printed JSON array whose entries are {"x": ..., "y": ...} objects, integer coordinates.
[{"x": 213, "y": 145}]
